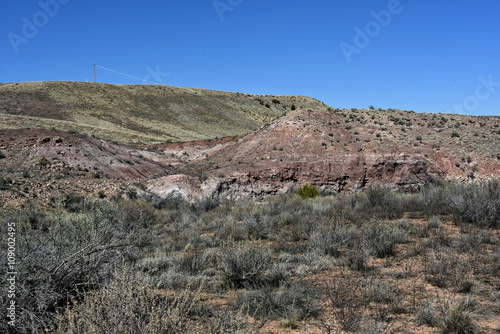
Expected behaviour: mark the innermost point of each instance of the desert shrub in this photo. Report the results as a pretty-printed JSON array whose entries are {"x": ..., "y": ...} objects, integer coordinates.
[
  {"x": 26, "y": 173},
  {"x": 194, "y": 263},
  {"x": 289, "y": 302},
  {"x": 244, "y": 265},
  {"x": 434, "y": 199},
  {"x": 255, "y": 227},
  {"x": 403, "y": 225},
  {"x": 344, "y": 303},
  {"x": 5, "y": 183},
  {"x": 328, "y": 239},
  {"x": 155, "y": 265},
  {"x": 378, "y": 291},
  {"x": 60, "y": 256},
  {"x": 350, "y": 207},
  {"x": 228, "y": 321},
  {"x": 380, "y": 239},
  {"x": 434, "y": 223},
  {"x": 169, "y": 203},
  {"x": 427, "y": 315},
  {"x": 477, "y": 204},
  {"x": 383, "y": 202},
  {"x": 277, "y": 274},
  {"x": 378, "y": 195},
  {"x": 74, "y": 202},
  {"x": 437, "y": 269},
  {"x": 376, "y": 201},
  {"x": 356, "y": 258},
  {"x": 128, "y": 305},
  {"x": 457, "y": 317},
  {"x": 472, "y": 241},
  {"x": 205, "y": 205},
  {"x": 132, "y": 193},
  {"x": 231, "y": 230},
  {"x": 307, "y": 191},
  {"x": 139, "y": 212},
  {"x": 443, "y": 269},
  {"x": 39, "y": 220},
  {"x": 184, "y": 265}
]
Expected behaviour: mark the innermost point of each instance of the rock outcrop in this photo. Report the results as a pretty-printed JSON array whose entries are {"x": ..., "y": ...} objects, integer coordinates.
[{"x": 321, "y": 149}]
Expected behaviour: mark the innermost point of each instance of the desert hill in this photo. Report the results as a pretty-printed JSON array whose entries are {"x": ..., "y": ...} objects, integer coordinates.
[
  {"x": 140, "y": 113},
  {"x": 93, "y": 194},
  {"x": 164, "y": 140},
  {"x": 343, "y": 150}
]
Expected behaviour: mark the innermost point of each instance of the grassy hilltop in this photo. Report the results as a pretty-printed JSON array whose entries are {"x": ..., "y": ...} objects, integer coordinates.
[{"x": 140, "y": 113}]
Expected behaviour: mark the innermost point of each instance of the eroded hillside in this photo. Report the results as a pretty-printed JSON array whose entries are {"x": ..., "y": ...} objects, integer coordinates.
[
  {"x": 267, "y": 144},
  {"x": 344, "y": 150}
]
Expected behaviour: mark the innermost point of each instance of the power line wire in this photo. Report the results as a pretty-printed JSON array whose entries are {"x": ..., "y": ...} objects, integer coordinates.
[{"x": 126, "y": 75}]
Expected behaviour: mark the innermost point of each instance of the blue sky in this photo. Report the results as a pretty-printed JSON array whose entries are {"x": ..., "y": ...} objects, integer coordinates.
[{"x": 421, "y": 55}]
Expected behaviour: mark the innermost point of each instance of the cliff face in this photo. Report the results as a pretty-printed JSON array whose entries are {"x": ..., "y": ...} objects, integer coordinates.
[{"x": 325, "y": 149}]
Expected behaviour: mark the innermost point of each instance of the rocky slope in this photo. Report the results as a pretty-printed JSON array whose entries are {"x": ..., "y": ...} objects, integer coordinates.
[
  {"x": 332, "y": 149},
  {"x": 342, "y": 150}
]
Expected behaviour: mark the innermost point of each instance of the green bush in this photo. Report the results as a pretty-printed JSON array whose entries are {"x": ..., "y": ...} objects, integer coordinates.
[{"x": 307, "y": 191}]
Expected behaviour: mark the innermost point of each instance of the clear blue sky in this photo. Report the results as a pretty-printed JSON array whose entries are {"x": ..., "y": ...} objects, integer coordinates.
[{"x": 429, "y": 56}]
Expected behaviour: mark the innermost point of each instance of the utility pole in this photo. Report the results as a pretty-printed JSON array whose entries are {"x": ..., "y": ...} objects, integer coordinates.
[{"x": 94, "y": 73}]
